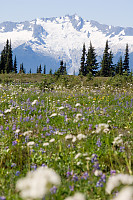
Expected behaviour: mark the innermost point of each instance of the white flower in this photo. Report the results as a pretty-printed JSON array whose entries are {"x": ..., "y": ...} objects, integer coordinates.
[
  {"x": 1, "y": 115},
  {"x": 7, "y": 111},
  {"x": 77, "y": 155},
  {"x": 34, "y": 102},
  {"x": 74, "y": 139},
  {"x": 17, "y": 131},
  {"x": 52, "y": 140},
  {"x": 38, "y": 183},
  {"x": 53, "y": 115},
  {"x": 81, "y": 136},
  {"x": 69, "y": 136},
  {"x": 102, "y": 127},
  {"x": 27, "y": 133},
  {"x": 116, "y": 180},
  {"x": 125, "y": 194},
  {"x": 77, "y": 105},
  {"x": 61, "y": 108},
  {"x": 31, "y": 143},
  {"x": 45, "y": 144},
  {"x": 98, "y": 172},
  {"x": 78, "y": 115},
  {"x": 77, "y": 196},
  {"x": 118, "y": 140}
]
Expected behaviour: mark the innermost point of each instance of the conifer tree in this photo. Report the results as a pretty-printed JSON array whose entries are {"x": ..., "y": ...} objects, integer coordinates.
[
  {"x": 107, "y": 63},
  {"x": 82, "y": 64},
  {"x": 111, "y": 66},
  {"x": 15, "y": 65},
  {"x": 91, "y": 64},
  {"x": 119, "y": 67},
  {"x": 6, "y": 62},
  {"x": 64, "y": 70},
  {"x": 10, "y": 60},
  {"x": 3, "y": 61},
  {"x": 126, "y": 61},
  {"x": 40, "y": 69},
  {"x": 44, "y": 69},
  {"x": 50, "y": 71}
]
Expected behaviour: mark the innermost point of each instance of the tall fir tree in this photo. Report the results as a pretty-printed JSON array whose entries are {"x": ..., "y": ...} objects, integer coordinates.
[
  {"x": 15, "y": 65},
  {"x": 6, "y": 63},
  {"x": 111, "y": 65},
  {"x": 91, "y": 64},
  {"x": 44, "y": 69},
  {"x": 119, "y": 67},
  {"x": 3, "y": 61},
  {"x": 82, "y": 64},
  {"x": 126, "y": 61},
  {"x": 40, "y": 69},
  {"x": 107, "y": 63}
]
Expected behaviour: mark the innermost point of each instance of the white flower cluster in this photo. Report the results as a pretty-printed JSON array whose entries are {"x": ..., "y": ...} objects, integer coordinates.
[
  {"x": 102, "y": 128},
  {"x": 77, "y": 196},
  {"x": 74, "y": 138},
  {"x": 114, "y": 181},
  {"x": 38, "y": 183}
]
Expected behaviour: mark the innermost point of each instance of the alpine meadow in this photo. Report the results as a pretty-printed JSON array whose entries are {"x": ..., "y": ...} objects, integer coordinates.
[{"x": 64, "y": 136}]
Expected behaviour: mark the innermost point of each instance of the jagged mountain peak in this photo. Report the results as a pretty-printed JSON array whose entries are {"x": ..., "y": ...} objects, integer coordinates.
[{"x": 56, "y": 38}]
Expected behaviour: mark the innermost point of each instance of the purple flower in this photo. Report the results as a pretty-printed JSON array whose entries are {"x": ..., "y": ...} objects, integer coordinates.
[
  {"x": 17, "y": 173},
  {"x": 14, "y": 142},
  {"x": 13, "y": 165},
  {"x": 94, "y": 158},
  {"x": 71, "y": 188},
  {"x": 53, "y": 190},
  {"x": 98, "y": 142},
  {"x": 1, "y": 128},
  {"x": 2, "y": 198}
]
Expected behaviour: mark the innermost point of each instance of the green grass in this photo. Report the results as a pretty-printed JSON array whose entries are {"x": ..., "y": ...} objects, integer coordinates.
[{"x": 100, "y": 102}]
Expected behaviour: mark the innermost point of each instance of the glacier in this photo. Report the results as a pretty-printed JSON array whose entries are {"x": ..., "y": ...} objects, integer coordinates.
[{"x": 46, "y": 41}]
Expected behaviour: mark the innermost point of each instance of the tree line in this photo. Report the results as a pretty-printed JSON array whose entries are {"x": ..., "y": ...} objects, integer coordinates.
[
  {"x": 6, "y": 62},
  {"x": 89, "y": 64}
]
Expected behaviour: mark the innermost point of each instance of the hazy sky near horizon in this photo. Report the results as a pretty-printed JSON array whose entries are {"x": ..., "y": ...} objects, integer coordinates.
[{"x": 110, "y": 12}]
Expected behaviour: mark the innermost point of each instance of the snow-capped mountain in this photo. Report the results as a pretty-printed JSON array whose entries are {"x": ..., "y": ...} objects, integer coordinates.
[{"x": 49, "y": 40}]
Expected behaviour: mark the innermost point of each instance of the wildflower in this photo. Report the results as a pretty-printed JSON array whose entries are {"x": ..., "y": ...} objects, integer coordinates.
[
  {"x": 77, "y": 196},
  {"x": 77, "y": 155},
  {"x": 31, "y": 143},
  {"x": 81, "y": 136},
  {"x": 74, "y": 139},
  {"x": 98, "y": 142},
  {"x": 61, "y": 108},
  {"x": 116, "y": 180},
  {"x": 77, "y": 105},
  {"x": 2, "y": 198},
  {"x": 97, "y": 172},
  {"x": 102, "y": 127},
  {"x": 27, "y": 133},
  {"x": 17, "y": 131},
  {"x": 52, "y": 140},
  {"x": 17, "y": 173},
  {"x": 45, "y": 144},
  {"x": 125, "y": 193},
  {"x": 34, "y": 102},
  {"x": 69, "y": 136},
  {"x": 118, "y": 140},
  {"x": 38, "y": 183},
  {"x": 53, "y": 115}
]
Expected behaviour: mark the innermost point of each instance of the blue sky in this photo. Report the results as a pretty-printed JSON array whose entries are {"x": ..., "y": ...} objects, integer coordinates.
[{"x": 113, "y": 12}]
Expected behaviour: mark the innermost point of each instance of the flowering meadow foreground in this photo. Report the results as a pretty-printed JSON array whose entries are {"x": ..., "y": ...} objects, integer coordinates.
[{"x": 66, "y": 144}]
